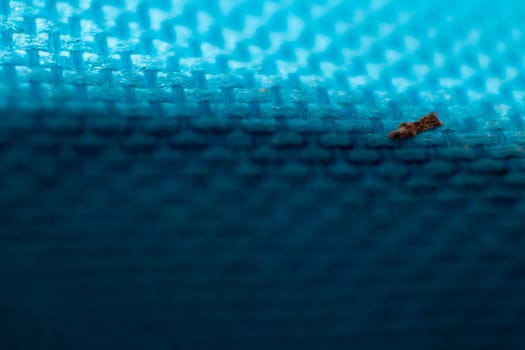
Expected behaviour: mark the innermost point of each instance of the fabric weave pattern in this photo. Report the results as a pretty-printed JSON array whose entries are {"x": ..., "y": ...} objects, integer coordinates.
[{"x": 218, "y": 174}]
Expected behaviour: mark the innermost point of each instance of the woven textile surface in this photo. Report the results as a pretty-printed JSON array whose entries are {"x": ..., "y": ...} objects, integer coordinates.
[{"x": 200, "y": 174}]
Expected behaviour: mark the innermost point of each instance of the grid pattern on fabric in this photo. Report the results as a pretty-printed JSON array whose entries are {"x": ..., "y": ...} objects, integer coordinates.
[
  {"x": 218, "y": 174},
  {"x": 147, "y": 57}
]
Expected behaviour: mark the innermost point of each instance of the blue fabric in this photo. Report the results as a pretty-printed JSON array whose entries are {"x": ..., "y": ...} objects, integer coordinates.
[{"x": 217, "y": 174}]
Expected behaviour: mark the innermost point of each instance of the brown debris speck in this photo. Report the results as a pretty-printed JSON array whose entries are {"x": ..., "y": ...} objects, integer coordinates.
[{"x": 408, "y": 129}]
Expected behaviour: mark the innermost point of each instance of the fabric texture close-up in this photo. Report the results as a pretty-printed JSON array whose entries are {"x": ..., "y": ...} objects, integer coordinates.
[{"x": 262, "y": 174}]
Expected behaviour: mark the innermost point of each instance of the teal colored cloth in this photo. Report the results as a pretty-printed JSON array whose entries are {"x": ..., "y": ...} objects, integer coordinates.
[{"x": 202, "y": 174}]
